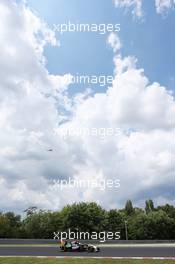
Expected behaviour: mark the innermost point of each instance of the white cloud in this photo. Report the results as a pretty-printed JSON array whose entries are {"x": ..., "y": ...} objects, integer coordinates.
[
  {"x": 135, "y": 5},
  {"x": 142, "y": 155},
  {"x": 162, "y": 6},
  {"x": 114, "y": 41},
  {"x": 32, "y": 104},
  {"x": 28, "y": 111}
]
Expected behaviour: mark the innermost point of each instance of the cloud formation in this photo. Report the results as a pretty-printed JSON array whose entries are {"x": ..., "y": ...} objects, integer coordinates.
[
  {"x": 35, "y": 107},
  {"x": 134, "y": 5},
  {"x": 114, "y": 41},
  {"x": 28, "y": 111},
  {"x": 162, "y": 6}
]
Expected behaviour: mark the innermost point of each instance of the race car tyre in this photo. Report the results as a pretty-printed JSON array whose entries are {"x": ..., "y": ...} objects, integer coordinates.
[{"x": 90, "y": 249}]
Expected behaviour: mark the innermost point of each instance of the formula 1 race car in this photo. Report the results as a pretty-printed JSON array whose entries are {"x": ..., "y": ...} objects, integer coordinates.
[{"x": 75, "y": 246}]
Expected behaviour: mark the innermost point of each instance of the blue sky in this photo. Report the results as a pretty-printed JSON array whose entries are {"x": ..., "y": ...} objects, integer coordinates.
[
  {"x": 35, "y": 107},
  {"x": 150, "y": 39}
]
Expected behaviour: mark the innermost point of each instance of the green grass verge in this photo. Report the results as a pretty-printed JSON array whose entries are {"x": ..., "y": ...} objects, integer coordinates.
[{"x": 76, "y": 261}]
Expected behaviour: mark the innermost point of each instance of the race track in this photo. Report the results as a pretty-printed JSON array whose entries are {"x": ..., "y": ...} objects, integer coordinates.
[{"x": 110, "y": 251}]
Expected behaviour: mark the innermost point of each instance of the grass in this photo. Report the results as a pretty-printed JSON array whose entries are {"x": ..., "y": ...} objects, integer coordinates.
[{"x": 76, "y": 261}]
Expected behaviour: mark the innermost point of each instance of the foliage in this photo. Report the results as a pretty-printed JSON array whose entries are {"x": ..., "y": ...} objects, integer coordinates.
[{"x": 149, "y": 223}]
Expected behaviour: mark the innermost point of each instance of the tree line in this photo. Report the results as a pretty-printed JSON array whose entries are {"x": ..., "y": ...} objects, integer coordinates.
[{"x": 133, "y": 223}]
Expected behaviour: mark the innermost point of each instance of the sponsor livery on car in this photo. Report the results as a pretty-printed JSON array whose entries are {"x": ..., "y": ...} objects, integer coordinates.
[{"x": 76, "y": 246}]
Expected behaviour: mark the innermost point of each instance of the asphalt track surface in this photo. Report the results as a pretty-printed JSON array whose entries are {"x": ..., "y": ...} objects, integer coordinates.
[{"x": 121, "y": 251}]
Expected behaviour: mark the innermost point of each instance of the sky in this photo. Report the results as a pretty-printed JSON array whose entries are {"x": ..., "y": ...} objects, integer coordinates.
[
  {"x": 41, "y": 110},
  {"x": 146, "y": 38}
]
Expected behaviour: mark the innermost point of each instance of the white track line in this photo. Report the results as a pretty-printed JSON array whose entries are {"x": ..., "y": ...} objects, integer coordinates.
[
  {"x": 100, "y": 245},
  {"x": 76, "y": 257}
]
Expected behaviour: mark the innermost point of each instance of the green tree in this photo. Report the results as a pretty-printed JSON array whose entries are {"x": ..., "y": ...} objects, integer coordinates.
[
  {"x": 84, "y": 217},
  {"x": 42, "y": 224},
  {"x": 4, "y": 227},
  {"x": 168, "y": 209},
  {"x": 160, "y": 226},
  {"x": 129, "y": 208},
  {"x": 149, "y": 206}
]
